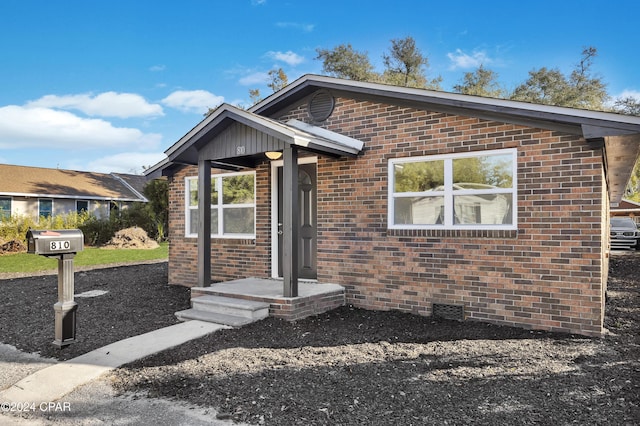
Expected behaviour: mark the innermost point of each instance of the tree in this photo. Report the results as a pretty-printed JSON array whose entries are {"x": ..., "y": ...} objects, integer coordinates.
[
  {"x": 405, "y": 65},
  {"x": 481, "y": 82},
  {"x": 277, "y": 80},
  {"x": 627, "y": 105},
  {"x": 157, "y": 192},
  {"x": 550, "y": 87},
  {"x": 255, "y": 96},
  {"x": 633, "y": 186},
  {"x": 344, "y": 62}
]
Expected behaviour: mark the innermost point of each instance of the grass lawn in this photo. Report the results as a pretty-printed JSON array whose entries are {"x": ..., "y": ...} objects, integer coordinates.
[{"x": 23, "y": 262}]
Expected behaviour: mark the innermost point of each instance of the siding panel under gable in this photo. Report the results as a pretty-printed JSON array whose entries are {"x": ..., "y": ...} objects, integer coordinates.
[{"x": 238, "y": 140}]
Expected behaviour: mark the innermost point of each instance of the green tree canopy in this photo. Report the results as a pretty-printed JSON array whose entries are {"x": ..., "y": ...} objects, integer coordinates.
[
  {"x": 157, "y": 192},
  {"x": 344, "y": 61},
  {"x": 405, "y": 65},
  {"x": 481, "y": 82},
  {"x": 578, "y": 90},
  {"x": 627, "y": 105}
]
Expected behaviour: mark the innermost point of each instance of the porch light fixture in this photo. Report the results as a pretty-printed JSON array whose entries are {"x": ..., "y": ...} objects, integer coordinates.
[{"x": 273, "y": 155}]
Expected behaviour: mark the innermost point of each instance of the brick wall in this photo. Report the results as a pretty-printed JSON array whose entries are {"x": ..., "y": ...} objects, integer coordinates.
[
  {"x": 230, "y": 258},
  {"x": 546, "y": 275}
]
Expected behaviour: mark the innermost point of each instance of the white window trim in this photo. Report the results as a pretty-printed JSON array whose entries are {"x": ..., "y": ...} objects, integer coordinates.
[
  {"x": 219, "y": 207},
  {"x": 448, "y": 192},
  {"x": 88, "y": 205}
]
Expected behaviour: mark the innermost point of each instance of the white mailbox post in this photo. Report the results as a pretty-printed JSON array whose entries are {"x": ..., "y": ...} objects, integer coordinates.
[{"x": 62, "y": 245}]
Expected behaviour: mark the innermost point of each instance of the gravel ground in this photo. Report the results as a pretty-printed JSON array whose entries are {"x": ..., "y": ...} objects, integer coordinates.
[{"x": 349, "y": 366}]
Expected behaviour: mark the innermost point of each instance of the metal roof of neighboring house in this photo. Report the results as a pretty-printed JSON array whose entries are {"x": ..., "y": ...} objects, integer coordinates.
[{"x": 57, "y": 183}]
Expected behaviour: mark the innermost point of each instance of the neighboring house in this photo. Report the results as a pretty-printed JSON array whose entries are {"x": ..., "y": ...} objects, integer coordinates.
[
  {"x": 411, "y": 199},
  {"x": 627, "y": 208},
  {"x": 34, "y": 191}
]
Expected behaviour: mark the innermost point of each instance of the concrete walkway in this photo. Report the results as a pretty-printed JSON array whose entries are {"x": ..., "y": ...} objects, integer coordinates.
[{"x": 52, "y": 383}]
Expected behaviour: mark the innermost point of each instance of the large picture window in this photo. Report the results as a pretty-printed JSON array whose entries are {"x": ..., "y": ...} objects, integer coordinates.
[
  {"x": 233, "y": 205},
  {"x": 458, "y": 191}
]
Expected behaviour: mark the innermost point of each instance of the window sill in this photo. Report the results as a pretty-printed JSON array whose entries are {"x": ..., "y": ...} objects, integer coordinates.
[{"x": 454, "y": 233}]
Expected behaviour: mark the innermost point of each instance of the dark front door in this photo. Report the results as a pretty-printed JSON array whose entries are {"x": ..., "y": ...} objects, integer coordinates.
[{"x": 307, "y": 213}]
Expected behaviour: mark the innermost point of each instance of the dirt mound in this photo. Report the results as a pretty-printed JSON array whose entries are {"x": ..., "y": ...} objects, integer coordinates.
[
  {"x": 131, "y": 238},
  {"x": 12, "y": 246}
]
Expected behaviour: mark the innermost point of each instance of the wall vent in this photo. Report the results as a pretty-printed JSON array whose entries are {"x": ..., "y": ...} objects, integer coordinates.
[
  {"x": 321, "y": 105},
  {"x": 453, "y": 312}
]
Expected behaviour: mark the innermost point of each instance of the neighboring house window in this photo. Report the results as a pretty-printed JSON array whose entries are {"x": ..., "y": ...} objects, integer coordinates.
[
  {"x": 82, "y": 206},
  {"x": 233, "y": 205},
  {"x": 45, "y": 207},
  {"x": 457, "y": 191},
  {"x": 114, "y": 208},
  {"x": 5, "y": 208}
]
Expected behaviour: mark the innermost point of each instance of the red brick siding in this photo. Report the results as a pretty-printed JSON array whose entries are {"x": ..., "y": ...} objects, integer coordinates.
[
  {"x": 230, "y": 258},
  {"x": 546, "y": 275}
]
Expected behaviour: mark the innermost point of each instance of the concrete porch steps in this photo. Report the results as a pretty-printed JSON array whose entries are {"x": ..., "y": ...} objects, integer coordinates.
[{"x": 224, "y": 310}]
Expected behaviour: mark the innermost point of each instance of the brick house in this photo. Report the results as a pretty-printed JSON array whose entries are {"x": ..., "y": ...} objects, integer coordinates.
[{"x": 412, "y": 200}]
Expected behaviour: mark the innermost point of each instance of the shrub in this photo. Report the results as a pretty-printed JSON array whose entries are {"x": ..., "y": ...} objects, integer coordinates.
[{"x": 15, "y": 227}]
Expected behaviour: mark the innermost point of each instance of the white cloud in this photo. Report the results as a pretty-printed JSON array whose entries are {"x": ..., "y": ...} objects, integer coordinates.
[
  {"x": 258, "y": 2},
  {"x": 196, "y": 101},
  {"x": 157, "y": 68},
  {"x": 255, "y": 78},
  {"x": 627, "y": 93},
  {"x": 38, "y": 127},
  {"x": 125, "y": 162},
  {"x": 463, "y": 60},
  {"x": 307, "y": 28},
  {"x": 288, "y": 57},
  {"x": 107, "y": 104}
]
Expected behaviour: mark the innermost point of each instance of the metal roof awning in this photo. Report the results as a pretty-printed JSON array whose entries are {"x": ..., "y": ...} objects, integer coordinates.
[{"x": 233, "y": 138}]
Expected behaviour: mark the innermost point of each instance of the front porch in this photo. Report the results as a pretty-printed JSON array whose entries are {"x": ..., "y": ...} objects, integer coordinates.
[{"x": 250, "y": 298}]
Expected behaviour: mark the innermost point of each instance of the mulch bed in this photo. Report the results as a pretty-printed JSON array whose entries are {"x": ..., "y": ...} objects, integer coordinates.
[{"x": 351, "y": 366}]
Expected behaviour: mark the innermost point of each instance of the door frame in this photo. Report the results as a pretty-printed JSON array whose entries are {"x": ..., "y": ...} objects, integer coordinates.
[{"x": 274, "y": 209}]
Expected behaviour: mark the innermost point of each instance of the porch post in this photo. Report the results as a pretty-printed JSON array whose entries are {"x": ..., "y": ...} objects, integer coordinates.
[
  {"x": 204, "y": 223},
  {"x": 290, "y": 220}
]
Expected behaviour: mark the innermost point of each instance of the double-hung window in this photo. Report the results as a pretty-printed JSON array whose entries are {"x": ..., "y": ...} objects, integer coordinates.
[
  {"x": 455, "y": 191},
  {"x": 45, "y": 207},
  {"x": 5, "y": 208},
  {"x": 233, "y": 205}
]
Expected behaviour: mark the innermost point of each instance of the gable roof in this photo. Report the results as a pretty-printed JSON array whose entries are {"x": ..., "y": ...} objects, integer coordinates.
[
  {"x": 57, "y": 183},
  {"x": 618, "y": 135},
  {"x": 227, "y": 119}
]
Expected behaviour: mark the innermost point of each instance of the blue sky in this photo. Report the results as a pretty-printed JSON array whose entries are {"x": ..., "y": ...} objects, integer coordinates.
[{"x": 108, "y": 85}]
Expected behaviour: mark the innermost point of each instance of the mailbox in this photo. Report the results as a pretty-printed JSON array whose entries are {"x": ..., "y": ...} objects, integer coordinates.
[
  {"x": 53, "y": 243},
  {"x": 62, "y": 244}
]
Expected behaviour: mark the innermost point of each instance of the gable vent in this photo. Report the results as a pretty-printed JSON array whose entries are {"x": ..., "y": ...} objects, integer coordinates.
[{"x": 321, "y": 105}]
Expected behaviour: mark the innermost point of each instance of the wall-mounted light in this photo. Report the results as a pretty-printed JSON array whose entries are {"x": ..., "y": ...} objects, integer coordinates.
[{"x": 273, "y": 155}]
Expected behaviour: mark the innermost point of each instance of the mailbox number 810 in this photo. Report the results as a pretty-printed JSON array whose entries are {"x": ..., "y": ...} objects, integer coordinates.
[{"x": 59, "y": 245}]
